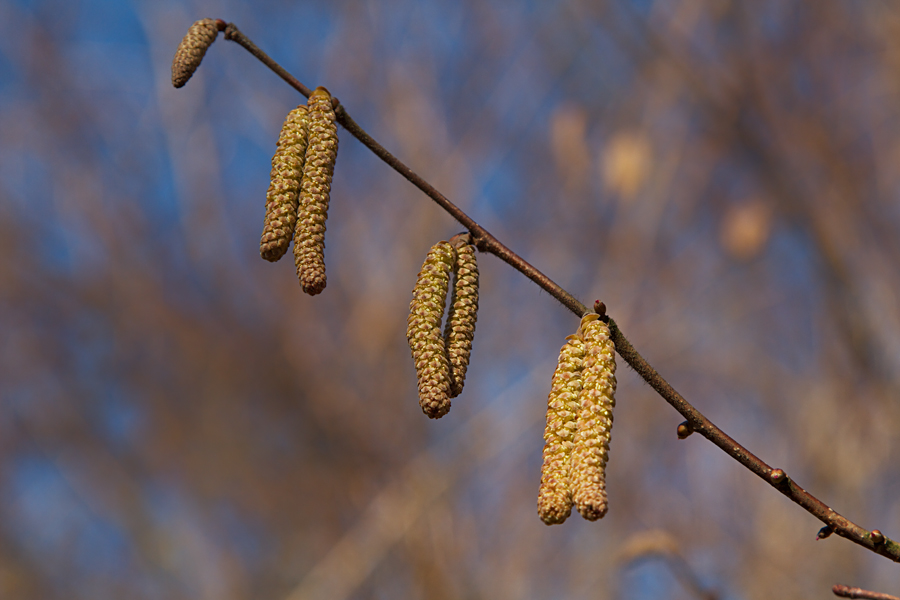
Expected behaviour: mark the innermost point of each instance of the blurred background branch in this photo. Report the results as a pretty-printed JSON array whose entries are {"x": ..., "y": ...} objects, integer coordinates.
[{"x": 844, "y": 591}]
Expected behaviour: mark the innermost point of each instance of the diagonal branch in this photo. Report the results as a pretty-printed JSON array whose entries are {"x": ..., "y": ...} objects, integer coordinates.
[{"x": 486, "y": 242}]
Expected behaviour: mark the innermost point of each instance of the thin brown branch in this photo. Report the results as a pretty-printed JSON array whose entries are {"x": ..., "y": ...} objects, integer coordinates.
[
  {"x": 845, "y": 591},
  {"x": 482, "y": 238},
  {"x": 486, "y": 242}
]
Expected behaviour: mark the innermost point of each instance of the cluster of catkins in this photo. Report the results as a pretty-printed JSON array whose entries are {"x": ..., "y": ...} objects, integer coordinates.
[
  {"x": 579, "y": 422},
  {"x": 302, "y": 169},
  {"x": 442, "y": 358},
  {"x": 579, "y": 408},
  {"x": 297, "y": 200}
]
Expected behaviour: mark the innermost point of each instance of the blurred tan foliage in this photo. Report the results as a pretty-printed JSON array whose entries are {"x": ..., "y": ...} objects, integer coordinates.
[{"x": 180, "y": 421}]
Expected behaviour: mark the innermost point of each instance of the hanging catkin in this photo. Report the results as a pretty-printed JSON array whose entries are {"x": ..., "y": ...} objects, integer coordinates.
[
  {"x": 423, "y": 330},
  {"x": 555, "y": 495},
  {"x": 282, "y": 197},
  {"x": 315, "y": 187},
  {"x": 460, "y": 328},
  {"x": 595, "y": 418},
  {"x": 191, "y": 50}
]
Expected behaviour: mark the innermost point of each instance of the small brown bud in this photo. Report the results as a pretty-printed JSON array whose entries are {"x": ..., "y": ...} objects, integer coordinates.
[
  {"x": 824, "y": 532},
  {"x": 877, "y": 537},
  {"x": 777, "y": 476},
  {"x": 315, "y": 189},
  {"x": 282, "y": 199},
  {"x": 599, "y": 308},
  {"x": 460, "y": 328},
  {"x": 684, "y": 430},
  {"x": 595, "y": 419},
  {"x": 423, "y": 331},
  {"x": 191, "y": 50},
  {"x": 555, "y": 495}
]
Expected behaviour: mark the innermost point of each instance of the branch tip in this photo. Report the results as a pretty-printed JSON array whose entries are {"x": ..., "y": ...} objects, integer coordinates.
[{"x": 845, "y": 591}]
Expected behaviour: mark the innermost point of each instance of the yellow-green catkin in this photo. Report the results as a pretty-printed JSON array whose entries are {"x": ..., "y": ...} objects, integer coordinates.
[
  {"x": 595, "y": 419},
  {"x": 555, "y": 495},
  {"x": 191, "y": 50},
  {"x": 282, "y": 197},
  {"x": 423, "y": 331},
  {"x": 315, "y": 187},
  {"x": 460, "y": 328}
]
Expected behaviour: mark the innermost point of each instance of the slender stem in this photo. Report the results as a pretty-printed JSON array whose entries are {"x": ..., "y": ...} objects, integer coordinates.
[
  {"x": 486, "y": 242},
  {"x": 845, "y": 591},
  {"x": 482, "y": 238}
]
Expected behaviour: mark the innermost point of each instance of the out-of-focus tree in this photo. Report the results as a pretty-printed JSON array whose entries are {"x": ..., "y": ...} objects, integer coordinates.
[{"x": 180, "y": 421}]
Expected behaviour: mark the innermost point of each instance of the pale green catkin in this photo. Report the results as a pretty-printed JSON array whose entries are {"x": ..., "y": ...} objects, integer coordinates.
[
  {"x": 555, "y": 495},
  {"x": 191, "y": 50},
  {"x": 460, "y": 328},
  {"x": 595, "y": 419},
  {"x": 282, "y": 197},
  {"x": 315, "y": 187},
  {"x": 423, "y": 331}
]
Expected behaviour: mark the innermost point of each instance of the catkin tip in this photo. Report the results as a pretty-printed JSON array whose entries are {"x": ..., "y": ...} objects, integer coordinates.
[
  {"x": 554, "y": 513},
  {"x": 594, "y": 510},
  {"x": 191, "y": 50},
  {"x": 314, "y": 284}
]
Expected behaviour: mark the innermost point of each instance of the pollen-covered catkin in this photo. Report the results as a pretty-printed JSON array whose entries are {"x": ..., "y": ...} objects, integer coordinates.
[
  {"x": 595, "y": 418},
  {"x": 281, "y": 199},
  {"x": 423, "y": 331},
  {"x": 555, "y": 495},
  {"x": 191, "y": 50},
  {"x": 460, "y": 328},
  {"x": 315, "y": 187}
]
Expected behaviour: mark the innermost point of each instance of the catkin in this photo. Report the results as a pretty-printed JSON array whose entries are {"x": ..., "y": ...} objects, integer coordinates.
[
  {"x": 423, "y": 331},
  {"x": 190, "y": 51},
  {"x": 555, "y": 495},
  {"x": 315, "y": 187},
  {"x": 595, "y": 418},
  {"x": 460, "y": 328},
  {"x": 281, "y": 199}
]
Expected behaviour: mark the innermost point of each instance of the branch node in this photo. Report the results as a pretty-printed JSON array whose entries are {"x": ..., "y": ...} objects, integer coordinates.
[
  {"x": 221, "y": 24},
  {"x": 232, "y": 33},
  {"x": 481, "y": 242},
  {"x": 877, "y": 537},
  {"x": 463, "y": 237},
  {"x": 778, "y": 477},
  {"x": 824, "y": 532},
  {"x": 684, "y": 430}
]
